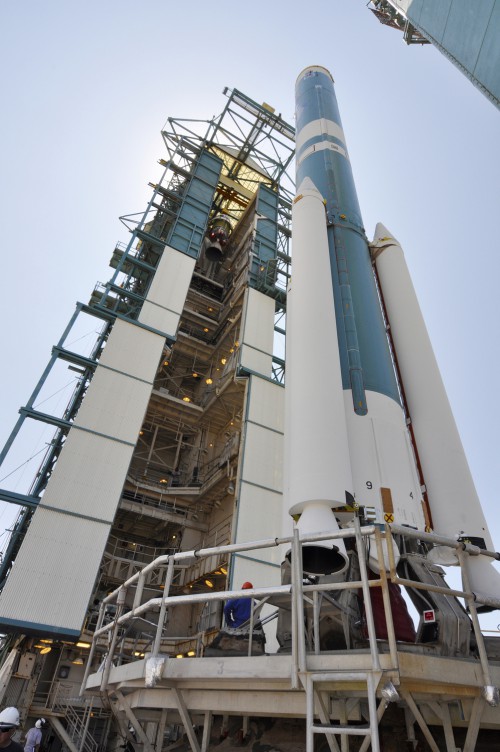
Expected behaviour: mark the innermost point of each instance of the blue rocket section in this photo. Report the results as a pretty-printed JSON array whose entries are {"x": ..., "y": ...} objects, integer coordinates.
[{"x": 365, "y": 357}]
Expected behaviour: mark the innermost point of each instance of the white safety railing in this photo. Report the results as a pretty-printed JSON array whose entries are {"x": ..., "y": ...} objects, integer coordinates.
[{"x": 295, "y": 594}]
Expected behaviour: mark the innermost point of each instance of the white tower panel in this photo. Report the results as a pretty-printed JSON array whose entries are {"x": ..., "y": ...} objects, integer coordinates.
[
  {"x": 257, "y": 333},
  {"x": 84, "y": 490},
  {"x": 163, "y": 306}
]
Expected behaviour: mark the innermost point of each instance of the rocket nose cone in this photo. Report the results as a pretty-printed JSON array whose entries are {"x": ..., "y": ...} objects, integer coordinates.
[
  {"x": 307, "y": 186},
  {"x": 383, "y": 236},
  {"x": 313, "y": 69}
]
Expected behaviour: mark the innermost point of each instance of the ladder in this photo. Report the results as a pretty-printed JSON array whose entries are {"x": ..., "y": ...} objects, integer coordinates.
[{"x": 315, "y": 705}]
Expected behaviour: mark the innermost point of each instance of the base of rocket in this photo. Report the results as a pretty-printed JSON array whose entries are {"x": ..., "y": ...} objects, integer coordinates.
[
  {"x": 384, "y": 476},
  {"x": 321, "y": 558}
]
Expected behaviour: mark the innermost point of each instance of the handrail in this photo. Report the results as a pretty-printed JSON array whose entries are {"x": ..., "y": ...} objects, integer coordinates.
[{"x": 296, "y": 591}]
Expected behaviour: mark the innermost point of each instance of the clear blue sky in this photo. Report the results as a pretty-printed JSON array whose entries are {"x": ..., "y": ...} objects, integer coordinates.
[{"x": 86, "y": 88}]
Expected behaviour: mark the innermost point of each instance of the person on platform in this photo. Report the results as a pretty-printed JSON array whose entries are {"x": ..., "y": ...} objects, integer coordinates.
[
  {"x": 9, "y": 724},
  {"x": 34, "y": 737},
  {"x": 237, "y": 610}
]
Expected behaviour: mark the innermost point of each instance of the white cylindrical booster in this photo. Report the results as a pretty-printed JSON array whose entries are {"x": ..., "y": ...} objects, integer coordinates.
[
  {"x": 383, "y": 465},
  {"x": 455, "y": 506},
  {"x": 317, "y": 464}
]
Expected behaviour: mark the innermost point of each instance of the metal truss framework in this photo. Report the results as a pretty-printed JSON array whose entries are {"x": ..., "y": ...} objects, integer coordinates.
[
  {"x": 390, "y": 16},
  {"x": 256, "y": 147}
]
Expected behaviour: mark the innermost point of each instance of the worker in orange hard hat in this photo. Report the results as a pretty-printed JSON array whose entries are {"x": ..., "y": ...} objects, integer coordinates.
[{"x": 237, "y": 610}]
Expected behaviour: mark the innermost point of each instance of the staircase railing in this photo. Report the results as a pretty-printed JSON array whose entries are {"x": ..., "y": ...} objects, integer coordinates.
[{"x": 77, "y": 724}]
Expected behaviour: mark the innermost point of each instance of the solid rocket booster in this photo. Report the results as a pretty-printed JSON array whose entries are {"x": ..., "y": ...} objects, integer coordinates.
[
  {"x": 317, "y": 463},
  {"x": 372, "y": 431},
  {"x": 454, "y": 503}
]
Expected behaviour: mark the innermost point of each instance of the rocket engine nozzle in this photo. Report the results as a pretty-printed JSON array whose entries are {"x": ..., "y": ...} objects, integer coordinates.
[
  {"x": 321, "y": 557},
  {"x": 320, "y": 560},
  {"x": 217, "y": 238}
]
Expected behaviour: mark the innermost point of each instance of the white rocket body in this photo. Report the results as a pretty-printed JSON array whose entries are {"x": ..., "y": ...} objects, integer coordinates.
[
  {"x": 317, "y": 463},
  {"x": 345, "y": 425},
  {"x": 454, "y": 503},
  {"x": 345, "y": 428}
]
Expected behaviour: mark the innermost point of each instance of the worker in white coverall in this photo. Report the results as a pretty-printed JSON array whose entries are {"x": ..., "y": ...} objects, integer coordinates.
[{"x": 34, "y": 737}]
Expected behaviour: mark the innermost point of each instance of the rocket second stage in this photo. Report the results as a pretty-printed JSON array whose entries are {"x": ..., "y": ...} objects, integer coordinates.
[{"x": 345, "y": 427}]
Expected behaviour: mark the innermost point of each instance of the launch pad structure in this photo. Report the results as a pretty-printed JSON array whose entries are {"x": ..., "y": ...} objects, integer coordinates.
[
  {"x": 161, "y": 491},
  {"x": 470, "y": 45}
]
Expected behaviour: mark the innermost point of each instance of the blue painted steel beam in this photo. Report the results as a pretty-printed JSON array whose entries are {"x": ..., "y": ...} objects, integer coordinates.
[{"x": 23, "y": 500}]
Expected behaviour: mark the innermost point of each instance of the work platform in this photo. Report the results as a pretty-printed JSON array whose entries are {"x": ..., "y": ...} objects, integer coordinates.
[
  {"x": 263, "y": 685},
  {"x": 450, "y": 684}
]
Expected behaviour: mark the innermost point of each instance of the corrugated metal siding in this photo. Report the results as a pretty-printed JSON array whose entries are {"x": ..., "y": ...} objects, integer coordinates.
[
  {"x": 436, "y": 15},
  {"x": 487, "y": 68},
  {"x": 51, "y": 582},
  {"x": 116, "y": 406},
  {"x": 189, "y": 227},
  {"x": 53, "y": 576},
  {"x": 89, "y": 476},
  {"x": 165, "y": 300},
  {"x": 132, "y": 350},
  {"x": 261, "y": 466},
  {"x": 257, "y": 333},
  {"x": 266, "y": 235},
  {"x": 466, "y": 31},
  {"x": 266, "y": 405},
  {"x": 260, "y": 516},
  {"x": 262, "y": 451}
]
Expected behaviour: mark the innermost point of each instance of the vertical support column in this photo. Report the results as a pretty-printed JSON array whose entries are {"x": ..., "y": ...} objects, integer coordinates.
[
  {"x": 372, "y": 708},
  {"x": 161, "y": 730},
  {"x": 474, "y": 723},
  {"x": 207, "y": 725},
  {"x": 163, "y": 609},
  {"x": 370, "y": 624},
  {"x": 109, "y": 658}
]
